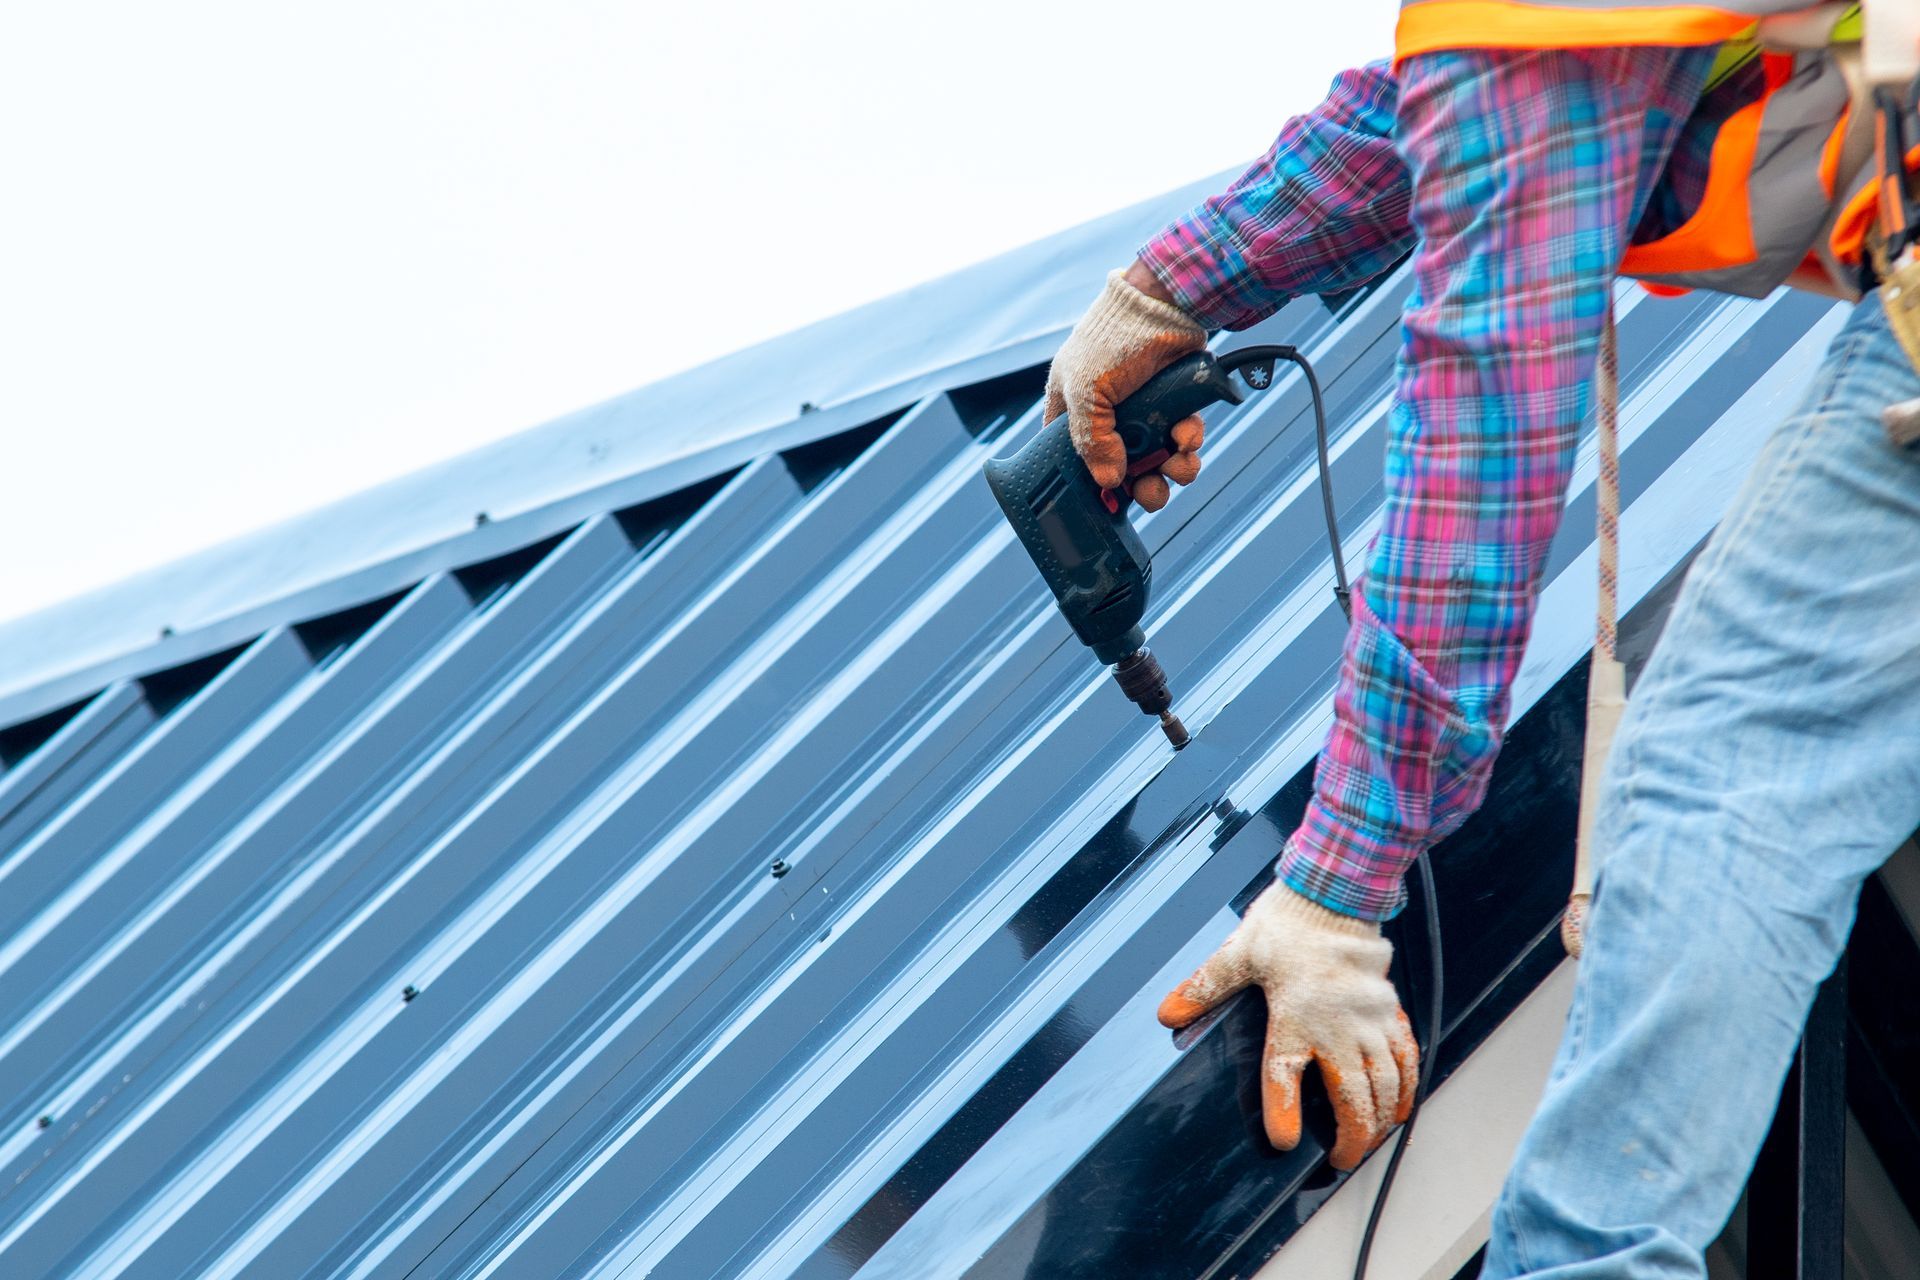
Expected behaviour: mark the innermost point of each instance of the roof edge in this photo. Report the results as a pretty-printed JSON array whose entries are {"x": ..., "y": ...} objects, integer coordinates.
[{"x": 994, "y": 317}]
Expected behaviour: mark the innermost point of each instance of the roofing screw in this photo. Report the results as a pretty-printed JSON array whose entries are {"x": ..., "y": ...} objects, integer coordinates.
[
  {"x": 45, "y": 1122},
  {"x": 480, "y": 518},
  {"x": 779, "y": 868},
  {"x": 808, "y": 406},
  {"x": 408, "y": 992},
  {"x": 165, "y": 632}
]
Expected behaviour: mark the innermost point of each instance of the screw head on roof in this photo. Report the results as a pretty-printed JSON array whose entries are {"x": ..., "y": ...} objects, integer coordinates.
[
  {"x": 779, "y": 868},
  {"x": 45, "y": 1122},
  {"x": 808, "y": 406},
  {"x": 165, "y": 632},
  {"x": 408, "y": 992},
  {"x": 480, "y": 518}
]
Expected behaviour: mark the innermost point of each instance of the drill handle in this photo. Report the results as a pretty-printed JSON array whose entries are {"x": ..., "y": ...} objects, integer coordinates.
[{"x": 1146, "y": 419}]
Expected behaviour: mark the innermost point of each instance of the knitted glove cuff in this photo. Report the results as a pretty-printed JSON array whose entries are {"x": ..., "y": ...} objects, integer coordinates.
[
  {"x": 1124, "y": 319},
  {"x": 1288, "y": 903}
]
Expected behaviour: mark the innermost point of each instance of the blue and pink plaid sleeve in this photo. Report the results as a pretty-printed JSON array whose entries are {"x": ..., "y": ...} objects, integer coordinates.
[
  {"x": 1323, "y": 211},
  {"x": 1530, "y": 171},
  {"x": 1529, "y": 174}
]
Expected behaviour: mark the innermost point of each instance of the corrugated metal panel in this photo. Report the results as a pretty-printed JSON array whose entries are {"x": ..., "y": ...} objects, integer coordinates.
[
  {"x": 994, "y": 318},
  {"x": 771, "y": 887}
]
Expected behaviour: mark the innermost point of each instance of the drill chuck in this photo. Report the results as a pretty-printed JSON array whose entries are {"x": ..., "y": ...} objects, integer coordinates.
[{"x": 1140, "y": 677}]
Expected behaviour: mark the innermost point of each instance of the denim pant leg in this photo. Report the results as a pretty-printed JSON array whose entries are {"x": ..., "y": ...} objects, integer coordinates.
[{"x": 1768, "y": 762}]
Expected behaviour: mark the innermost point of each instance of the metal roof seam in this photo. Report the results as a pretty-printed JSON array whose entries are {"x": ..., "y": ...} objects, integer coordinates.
[
  {"x": 427, "y": 971},
  {"x": 372, "y": 727}
]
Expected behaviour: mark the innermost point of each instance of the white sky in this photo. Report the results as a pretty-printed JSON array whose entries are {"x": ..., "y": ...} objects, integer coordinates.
[{"x": 256, "y": 256}]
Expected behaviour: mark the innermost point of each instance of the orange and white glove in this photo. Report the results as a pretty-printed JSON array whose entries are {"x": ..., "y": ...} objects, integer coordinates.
[
  {"x": 1124, "y": 339},
  {"x": 1328, "y": 1001}
]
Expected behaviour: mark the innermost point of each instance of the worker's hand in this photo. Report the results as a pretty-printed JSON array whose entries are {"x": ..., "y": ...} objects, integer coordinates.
[
  {"x": 1328, "y": 1001},
  {"x": 1124, "y": 339}
]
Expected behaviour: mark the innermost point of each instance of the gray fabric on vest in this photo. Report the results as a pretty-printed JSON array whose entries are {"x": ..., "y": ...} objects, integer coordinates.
[{"x": 1786, "y": 204}]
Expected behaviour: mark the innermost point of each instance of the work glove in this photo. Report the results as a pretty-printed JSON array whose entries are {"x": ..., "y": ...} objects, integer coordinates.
[
  {"x": 1124, "y": 339},
  {"x": 1328, "y": 1001}
]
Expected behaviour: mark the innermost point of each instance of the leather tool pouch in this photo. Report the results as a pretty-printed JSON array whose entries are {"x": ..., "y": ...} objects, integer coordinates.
[
  {"x": 1900, "y": 295},
  {"x": 1895, "y": 250}
]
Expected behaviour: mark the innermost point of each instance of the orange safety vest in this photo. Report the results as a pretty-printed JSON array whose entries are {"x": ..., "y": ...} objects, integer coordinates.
[{"x": 1788, "y": 199}]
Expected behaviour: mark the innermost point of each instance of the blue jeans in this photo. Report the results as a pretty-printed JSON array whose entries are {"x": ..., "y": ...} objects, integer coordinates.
[{"x": 1768, "y": 762}]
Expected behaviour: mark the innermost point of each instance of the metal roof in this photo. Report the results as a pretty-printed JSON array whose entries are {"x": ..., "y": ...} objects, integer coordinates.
[
  {"x": 758, "y": 880},
  {"x": 993, "y": 318}
]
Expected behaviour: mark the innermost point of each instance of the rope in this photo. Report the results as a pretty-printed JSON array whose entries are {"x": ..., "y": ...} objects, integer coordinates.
[
  {"x": 1607, "y": 492},
  {"x": 1606, "y": 680}
]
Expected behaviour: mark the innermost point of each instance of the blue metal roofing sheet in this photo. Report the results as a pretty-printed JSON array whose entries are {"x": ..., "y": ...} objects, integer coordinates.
[
  {"x": 990, "y": 319},
  {"x": 764, "y": 884}
]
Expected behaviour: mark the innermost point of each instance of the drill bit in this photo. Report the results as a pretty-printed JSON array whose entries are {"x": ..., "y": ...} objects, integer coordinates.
[
  {"x": 1175, "y": 731},
  {"x": 1141, "y": 679}
]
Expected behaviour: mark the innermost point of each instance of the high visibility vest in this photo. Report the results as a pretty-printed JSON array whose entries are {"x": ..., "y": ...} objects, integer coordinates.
[{"x": 1789, "y": 195}]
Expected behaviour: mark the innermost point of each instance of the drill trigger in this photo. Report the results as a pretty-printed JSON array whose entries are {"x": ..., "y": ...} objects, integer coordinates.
[{"x": 1151, "y": 462}]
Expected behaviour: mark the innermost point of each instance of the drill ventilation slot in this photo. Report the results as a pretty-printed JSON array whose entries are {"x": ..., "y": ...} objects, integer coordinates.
[{"x": 1047, "y": 494}]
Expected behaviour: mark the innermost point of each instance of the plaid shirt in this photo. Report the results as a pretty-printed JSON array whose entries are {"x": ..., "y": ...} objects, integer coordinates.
[{"x": 1497, "y": 350}]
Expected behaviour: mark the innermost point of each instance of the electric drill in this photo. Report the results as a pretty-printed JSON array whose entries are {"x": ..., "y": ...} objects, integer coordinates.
[{"x": 1078, "y": 534}]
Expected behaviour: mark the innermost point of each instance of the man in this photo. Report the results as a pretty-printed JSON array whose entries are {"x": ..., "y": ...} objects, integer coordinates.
[{"x": 1523, "y": 179}]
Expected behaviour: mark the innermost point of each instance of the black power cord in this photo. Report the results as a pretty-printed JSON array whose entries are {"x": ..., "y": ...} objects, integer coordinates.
[
  {"x": 1341, "y": 591},
  {"x": 1255, "y": 364},
  {"x": 1428, "y": 899},
  {"x": 1434, "y": 1014}
]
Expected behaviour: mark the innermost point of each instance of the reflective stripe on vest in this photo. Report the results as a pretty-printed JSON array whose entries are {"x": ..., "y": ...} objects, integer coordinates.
[{"x": 1427, "y": 25}]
